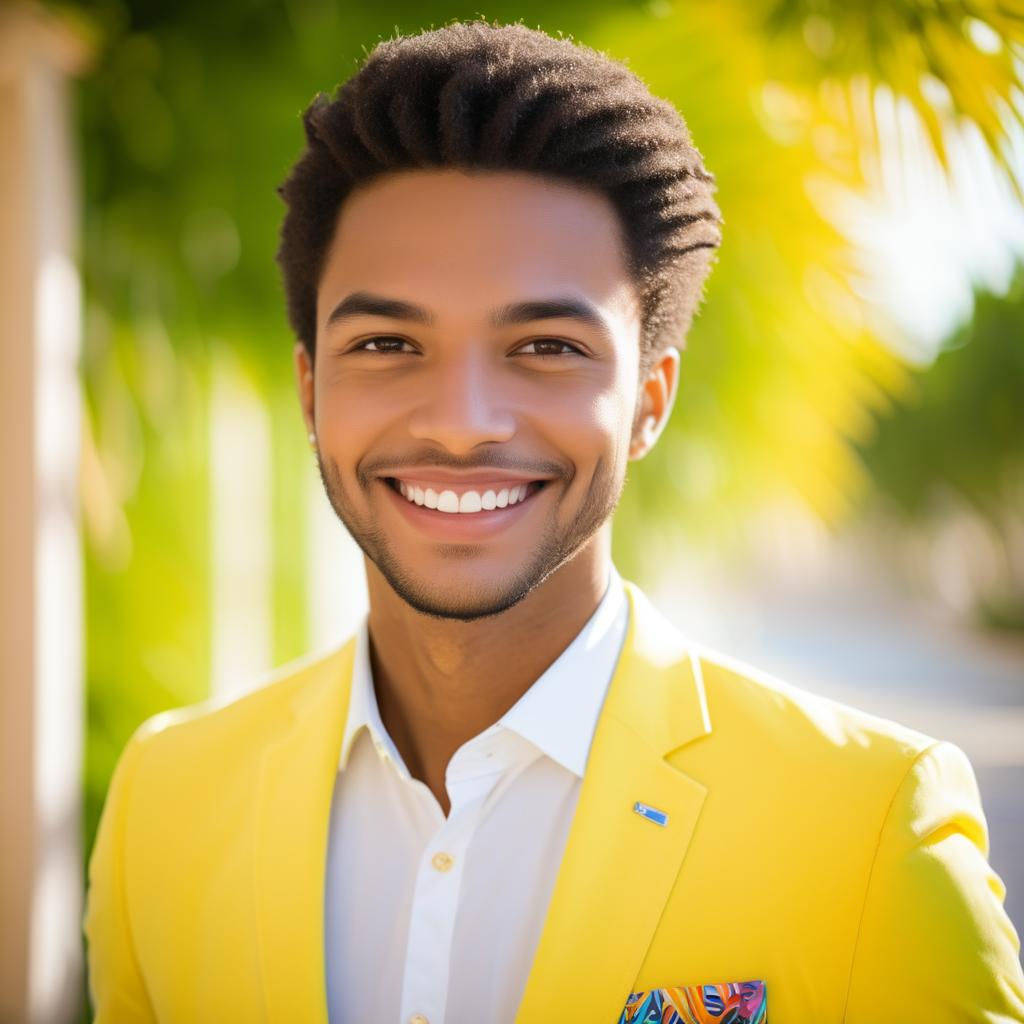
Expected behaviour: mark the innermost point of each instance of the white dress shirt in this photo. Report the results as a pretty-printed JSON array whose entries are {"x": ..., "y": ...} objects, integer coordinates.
[{"x": 435, "y": 920}]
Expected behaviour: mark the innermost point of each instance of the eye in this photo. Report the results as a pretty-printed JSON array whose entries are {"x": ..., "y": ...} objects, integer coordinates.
[
  {"x": 549, "y": 346},
  {"x": 383, "y": 343}
]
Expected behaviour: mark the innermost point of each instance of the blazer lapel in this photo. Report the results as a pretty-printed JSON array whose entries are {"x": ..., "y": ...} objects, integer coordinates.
[
  {"x": 296, "y": 784},
  {"x": 618, "y": 867}
]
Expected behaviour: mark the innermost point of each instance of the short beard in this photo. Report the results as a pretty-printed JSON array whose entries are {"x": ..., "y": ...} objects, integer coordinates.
[{"x": 554, "y": 548}]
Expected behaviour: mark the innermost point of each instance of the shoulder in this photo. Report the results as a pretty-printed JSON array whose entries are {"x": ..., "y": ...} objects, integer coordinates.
[
  {"x": 239, "y": 726},
  {"x": 793, "y": 733},
  {"x": 755, "y": 716},
  {"x": 845, "y": 785},
  {"x": 747, "y": 693}
]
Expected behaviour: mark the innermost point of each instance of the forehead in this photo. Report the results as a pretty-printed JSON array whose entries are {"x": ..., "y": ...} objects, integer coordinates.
[{"x": 459, "y": 240}]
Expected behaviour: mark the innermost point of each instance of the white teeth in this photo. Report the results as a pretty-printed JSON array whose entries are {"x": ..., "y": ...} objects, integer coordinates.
[
  {"x": 448, "y": 502},
  {"x": 469, "y": 502}
]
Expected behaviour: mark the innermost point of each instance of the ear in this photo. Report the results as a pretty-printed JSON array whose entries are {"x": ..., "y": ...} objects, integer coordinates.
[
  {"x": 304, "y": 382},
  {"x": 657, "y": 394}
]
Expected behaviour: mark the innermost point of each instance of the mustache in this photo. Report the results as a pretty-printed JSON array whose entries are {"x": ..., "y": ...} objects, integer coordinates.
[{"x": 387, "y": 466}]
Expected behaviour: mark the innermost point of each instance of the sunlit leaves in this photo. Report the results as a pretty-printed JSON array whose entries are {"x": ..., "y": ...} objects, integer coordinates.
[{"x": 948, "y": 59}]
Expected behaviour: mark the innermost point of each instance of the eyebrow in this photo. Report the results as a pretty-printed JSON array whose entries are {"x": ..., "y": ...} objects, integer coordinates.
[
  {"x": 366, "y": 304},
  {"x": 549, "y": 309},
  {"x": 560, "y": 308}
]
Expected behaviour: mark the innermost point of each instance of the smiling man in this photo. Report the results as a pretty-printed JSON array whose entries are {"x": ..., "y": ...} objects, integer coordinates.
[{"x": 517, "y": 793}]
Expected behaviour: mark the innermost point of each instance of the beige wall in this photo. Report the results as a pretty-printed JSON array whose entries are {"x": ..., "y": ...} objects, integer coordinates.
[{"x": 40, "y": 574}]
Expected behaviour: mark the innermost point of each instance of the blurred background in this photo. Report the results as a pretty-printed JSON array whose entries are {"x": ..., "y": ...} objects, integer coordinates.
[{"x": 838, "y": 499}]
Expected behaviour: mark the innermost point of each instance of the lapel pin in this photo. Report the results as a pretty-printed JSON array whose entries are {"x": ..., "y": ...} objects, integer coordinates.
[{"x": 650, "y": 813}]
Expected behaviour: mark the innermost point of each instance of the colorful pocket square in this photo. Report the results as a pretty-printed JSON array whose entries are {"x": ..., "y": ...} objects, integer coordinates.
[{"x": 742, "y": 1002}]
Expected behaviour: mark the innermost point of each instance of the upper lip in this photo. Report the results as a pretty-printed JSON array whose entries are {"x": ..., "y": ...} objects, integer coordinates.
[{"x": 431, "y": 475}]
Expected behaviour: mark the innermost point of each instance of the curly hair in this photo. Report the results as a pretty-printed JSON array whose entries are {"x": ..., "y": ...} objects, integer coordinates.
[{"x": 473, "y": 95}]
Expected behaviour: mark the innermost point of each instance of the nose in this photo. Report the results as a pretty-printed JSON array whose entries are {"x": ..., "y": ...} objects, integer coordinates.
[{"x": 464, "y": 404}]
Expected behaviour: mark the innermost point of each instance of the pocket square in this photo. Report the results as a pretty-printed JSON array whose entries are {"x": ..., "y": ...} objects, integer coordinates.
[{"x": 741, "y": 1002}]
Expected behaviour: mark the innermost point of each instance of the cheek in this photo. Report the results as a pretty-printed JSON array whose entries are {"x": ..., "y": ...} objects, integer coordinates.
[
  {"x": 349, "y": 410},
  {"x": 590, "y": 426}
]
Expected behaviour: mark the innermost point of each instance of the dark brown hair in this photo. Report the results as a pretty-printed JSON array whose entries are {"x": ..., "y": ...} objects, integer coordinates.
[{"x": 505, "y": 97}]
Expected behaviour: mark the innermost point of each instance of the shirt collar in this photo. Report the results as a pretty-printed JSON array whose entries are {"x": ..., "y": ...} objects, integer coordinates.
[
  {"x": 362, "y": 706},
  {"x": 558, "y": 713}
]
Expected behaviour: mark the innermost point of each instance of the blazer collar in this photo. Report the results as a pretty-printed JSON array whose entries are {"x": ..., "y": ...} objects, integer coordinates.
[
  {"x": 657, "y": 689},
  {"x": 617, "y": 870}
]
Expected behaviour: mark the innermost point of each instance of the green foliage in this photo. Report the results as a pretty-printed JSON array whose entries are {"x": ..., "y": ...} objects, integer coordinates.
[
  {"x": 948, "y": 463},
  {"x": 962, "y": 431}
]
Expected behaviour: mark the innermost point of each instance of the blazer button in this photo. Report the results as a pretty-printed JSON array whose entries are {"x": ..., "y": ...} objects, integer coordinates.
[{"x": 441, "y": 861}]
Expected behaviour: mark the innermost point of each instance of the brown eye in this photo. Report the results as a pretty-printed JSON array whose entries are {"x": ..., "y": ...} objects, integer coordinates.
[
  {"x": 385, "y": 343},
  {"x": 550, "y": 347}
]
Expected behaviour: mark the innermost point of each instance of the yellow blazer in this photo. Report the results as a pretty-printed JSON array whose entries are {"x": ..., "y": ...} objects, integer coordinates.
[{"x": 837, "y": 858}]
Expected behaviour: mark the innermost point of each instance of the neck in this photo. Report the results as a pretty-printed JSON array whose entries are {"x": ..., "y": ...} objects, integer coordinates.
[{"x": 439, "y": 682}]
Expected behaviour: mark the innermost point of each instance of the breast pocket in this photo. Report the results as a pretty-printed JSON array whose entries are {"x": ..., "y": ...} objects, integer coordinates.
[{"x": 736, "y": 1002}]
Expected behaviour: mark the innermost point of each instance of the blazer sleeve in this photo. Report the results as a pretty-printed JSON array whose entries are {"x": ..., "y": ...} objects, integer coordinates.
[
  {"x": 935, "y": 943},
  {"x": 116, "y": 986}
]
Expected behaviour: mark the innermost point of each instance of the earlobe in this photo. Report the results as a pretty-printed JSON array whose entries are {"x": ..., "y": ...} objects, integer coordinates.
[{"x": 644, "y": 441}]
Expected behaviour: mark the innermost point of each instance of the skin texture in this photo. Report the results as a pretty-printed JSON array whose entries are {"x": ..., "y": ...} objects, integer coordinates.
[{"x": 461, "y": 627}]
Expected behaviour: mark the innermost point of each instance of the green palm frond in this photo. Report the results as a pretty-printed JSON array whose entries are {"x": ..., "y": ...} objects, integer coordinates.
[{"x": 950, "y": 60}]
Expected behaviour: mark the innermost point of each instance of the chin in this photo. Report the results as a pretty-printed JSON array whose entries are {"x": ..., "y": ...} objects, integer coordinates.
[
  {"x": 464, "y": 597},
  {"x": 460, "y": 610}
]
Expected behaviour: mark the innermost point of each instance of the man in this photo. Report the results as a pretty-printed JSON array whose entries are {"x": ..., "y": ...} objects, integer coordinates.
[{"x": 516, "y": 793}]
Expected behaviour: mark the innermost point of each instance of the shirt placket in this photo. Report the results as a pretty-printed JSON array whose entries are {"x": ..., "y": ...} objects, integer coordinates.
[{"x": 472, "y": 774}]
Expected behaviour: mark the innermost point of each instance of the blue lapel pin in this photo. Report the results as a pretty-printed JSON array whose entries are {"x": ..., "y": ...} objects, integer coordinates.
[{"x": 650, "y": 813}]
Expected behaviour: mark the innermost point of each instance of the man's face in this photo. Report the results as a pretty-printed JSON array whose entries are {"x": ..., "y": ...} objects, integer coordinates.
[{"x": 477, "y": 341}]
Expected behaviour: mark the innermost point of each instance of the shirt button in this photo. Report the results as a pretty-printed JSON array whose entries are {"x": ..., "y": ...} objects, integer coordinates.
[
  {"x": 418, "y": 1018},
  {"x": 441, "y": 861}
]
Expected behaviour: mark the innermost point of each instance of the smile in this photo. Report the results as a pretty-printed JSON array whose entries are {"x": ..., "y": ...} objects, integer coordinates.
[
  {"x": 462, "y": 513},
  {"x": 465, "y": 500}
]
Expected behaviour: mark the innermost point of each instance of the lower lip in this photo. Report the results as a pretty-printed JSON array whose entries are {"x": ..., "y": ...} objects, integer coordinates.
[{"x": 462, "y": 525}]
